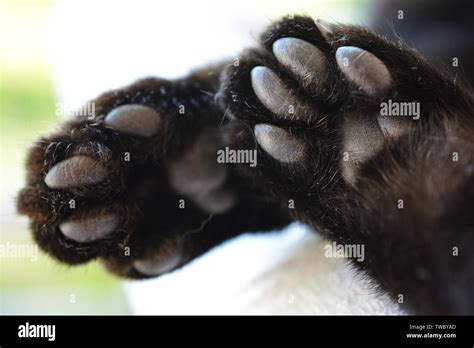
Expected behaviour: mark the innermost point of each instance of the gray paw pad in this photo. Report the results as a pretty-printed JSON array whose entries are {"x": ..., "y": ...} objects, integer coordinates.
[
  {"x": 302, "y": 58},
  {"x": 276, "y": 96},
  {"x": 89, "y": 229},
  {"x": 156, "y": 266},
  {"x": 197, "y": 170},
  {"x": 279, "y": 143},
  {"x": 362, "y": 138},
  {"x": 364, "y": 69},
  {"x": 75, "y": 171},
  {"x": 134, "y": 119},
  {"x": 216, "y": 201},
  {"x": 198, "y": 175}
]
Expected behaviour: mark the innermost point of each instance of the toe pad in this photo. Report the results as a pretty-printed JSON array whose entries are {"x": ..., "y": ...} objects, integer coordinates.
[
  {"x": 279, "y": 143},
  {"x": 89, "y": 229},
  {"x": 134, "y": 119},
  {"x": 75, "y": 171}
]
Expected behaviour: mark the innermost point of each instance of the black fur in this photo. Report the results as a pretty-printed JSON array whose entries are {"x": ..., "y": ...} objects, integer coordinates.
[
  {"x": 409, "y": 251},
  {"x": 151, "y": 221}
]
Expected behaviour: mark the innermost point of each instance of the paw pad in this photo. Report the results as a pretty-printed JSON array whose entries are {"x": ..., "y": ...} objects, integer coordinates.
[
  {"x": 302, "y": 58},
  {"x": 134, "y": 119},
  {"x": 364, "y": 69},
  {"x": 275, "y": 95},
  {"x": 157, "y": 266},
  {"x": 89, "y": 229},
  {"x": 279, "y": 143},
  {"x": 75, "y": 171}
]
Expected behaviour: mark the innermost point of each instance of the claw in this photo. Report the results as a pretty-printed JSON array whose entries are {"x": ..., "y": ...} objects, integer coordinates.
[
  {"x": 325, "y": 28},
  {"x": 153, "y": 267}
]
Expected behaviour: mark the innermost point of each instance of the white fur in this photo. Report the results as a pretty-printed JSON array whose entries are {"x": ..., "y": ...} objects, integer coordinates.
[{"x": 276, "y": 273}]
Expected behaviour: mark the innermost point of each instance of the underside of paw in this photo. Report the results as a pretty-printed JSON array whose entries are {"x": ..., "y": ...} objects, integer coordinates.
[
  {"x": 308, "y": 100},
  {"x": 319, "y": 87},
  {"x": 98, "y": 188}
]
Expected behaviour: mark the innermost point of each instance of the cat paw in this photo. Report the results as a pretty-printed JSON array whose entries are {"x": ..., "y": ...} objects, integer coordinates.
[
  {"x": 113, "y": 185},
  {"x": 322, "y": 99}
]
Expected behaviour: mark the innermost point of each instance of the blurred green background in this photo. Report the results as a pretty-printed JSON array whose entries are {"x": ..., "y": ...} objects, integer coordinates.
[{"x": 27, "y": 109}]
